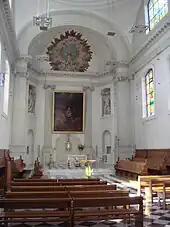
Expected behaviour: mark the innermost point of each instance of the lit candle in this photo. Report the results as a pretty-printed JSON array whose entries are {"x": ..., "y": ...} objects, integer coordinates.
[
  {"x": 48, "y": 8},
  {"x": 38, "y": 4},
  {"x": 54, "y": 154}
]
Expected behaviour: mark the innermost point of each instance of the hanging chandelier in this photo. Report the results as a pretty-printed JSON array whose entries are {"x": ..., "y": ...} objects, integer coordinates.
[{"x": 43, "y": 22}]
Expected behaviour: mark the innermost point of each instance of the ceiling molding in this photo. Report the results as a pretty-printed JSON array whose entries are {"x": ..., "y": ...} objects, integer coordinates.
[
  {"x": 8, "y": 31},
  {"x": 153, "y": 39}
]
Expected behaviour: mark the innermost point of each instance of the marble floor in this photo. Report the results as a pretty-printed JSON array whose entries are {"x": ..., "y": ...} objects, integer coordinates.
[{"x": 154, "y": 216}]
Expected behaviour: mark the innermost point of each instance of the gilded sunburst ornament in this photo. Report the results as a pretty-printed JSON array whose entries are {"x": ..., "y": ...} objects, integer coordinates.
[{"x": 70, "y": 52}]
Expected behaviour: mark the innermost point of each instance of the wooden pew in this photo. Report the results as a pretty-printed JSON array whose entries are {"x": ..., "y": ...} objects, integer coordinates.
[
  {"x": 161, "y": 186},
  {"x": 6, "y": 178},
  {"x": 107, "y": 209},
  {"x": 84, "y": 183},
  {"x": 64, "y": 194},
  {"x": 58, "y": 180},
  {"x": 62, "y": 188},
  {"x": 129, "y": 167},
  {"x": 40, "y": 183},
  {"x": 36, "y": 188},
  {"x": 25, "y": 216},
  {"x": 99, "y": 193},
  {"x": 157, "y": 159},
  {"x": 40, "y": 194},
  {"x": 90, "y": 187},
  {"x": 55, "y": 183},
  {"x": 140, "y": 155},
  {"x": 147, "y": 181}
]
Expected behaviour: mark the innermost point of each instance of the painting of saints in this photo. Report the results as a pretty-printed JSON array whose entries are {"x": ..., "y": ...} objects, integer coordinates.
[{"x": 68, "y": 112}]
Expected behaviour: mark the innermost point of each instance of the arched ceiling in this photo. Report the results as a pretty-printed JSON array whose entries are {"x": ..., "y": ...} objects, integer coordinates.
[
  {"x": 102, "y": 50},
  {"x": 96, "y": 4},
  {"x": 92, "y": 18}
]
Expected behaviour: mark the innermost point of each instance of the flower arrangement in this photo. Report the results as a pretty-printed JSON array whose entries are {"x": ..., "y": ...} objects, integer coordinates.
[{"x": 81, "y": 147}]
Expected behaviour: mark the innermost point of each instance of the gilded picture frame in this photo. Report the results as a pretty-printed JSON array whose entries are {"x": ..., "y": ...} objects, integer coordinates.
[{"x": 68, "y": 112}]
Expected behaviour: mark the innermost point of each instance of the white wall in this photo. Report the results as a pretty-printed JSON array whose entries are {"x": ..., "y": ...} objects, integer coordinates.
[
  {"x": 153, "y": 132},
  {"x": 101, "y": 124}
]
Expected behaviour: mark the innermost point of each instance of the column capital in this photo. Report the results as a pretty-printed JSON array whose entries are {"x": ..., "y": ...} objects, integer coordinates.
[
  {"x": 22, "y": 64},
  {"x": 88, "y": 88}
]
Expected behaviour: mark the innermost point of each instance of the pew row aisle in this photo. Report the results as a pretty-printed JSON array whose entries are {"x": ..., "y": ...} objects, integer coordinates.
[{"x": 70, "y": 201}]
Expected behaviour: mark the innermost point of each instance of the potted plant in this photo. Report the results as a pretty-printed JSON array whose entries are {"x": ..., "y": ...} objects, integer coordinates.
[{"x": 81, "y": 147}]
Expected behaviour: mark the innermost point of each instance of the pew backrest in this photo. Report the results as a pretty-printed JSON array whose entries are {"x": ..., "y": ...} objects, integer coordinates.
[
  {"x": 99, "y": 193},
  {"x": 90, "y": 187},
  {"x": 107, "y": 201},
  {"x": 34, "y": 203},
  {"x": 36, "y": 188},
  {"x": 35, "y": 194}
]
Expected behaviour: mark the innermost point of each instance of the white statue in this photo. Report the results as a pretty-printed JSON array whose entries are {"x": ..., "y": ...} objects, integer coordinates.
[
  {"x": 31, "y": 99},
  {"x": 106, "y": 102}
]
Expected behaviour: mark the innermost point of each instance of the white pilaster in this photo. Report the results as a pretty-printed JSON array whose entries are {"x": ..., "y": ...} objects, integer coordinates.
[
  {"x": 19, "y": 118},
  {"x": 88, "y": 123},
  {"x": 40, "y": 119},
  {"x": 123, "y": 140},
  {"x": 47, "y": 126}
]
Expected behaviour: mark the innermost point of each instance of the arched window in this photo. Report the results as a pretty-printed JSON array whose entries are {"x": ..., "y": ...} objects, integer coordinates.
[
  {"x": 149, "y": 93},
  {"x": 157, "y": 9},
  {"x": 6, "y": 88}
]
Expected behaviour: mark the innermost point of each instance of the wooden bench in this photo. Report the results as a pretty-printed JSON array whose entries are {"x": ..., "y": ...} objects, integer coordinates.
[
  {"x": 127, "y": 167},
  {"x": 78, "y": 179},
  {"x": 62, "y": 188},
  {"x": 55, "y": 180},
  {"x": 61, "y": 212},
  {"x": 90, "y": 187},
  {"x": 55, "y": 183},
  {"x": 147, "y": 181},
  {"x": 35, "y": 194},
  {"x": 160, "y": 187},
  {"x": 105, "y": 209},
  {"x": 157, "y": 159},
  {"x": 83, "y": 183},
  {"x": 36, "y": 188},
  {"x": 41, "y": 183},
  {"x": 98, "y": 193},
  {"x": 65, "y": 194}
]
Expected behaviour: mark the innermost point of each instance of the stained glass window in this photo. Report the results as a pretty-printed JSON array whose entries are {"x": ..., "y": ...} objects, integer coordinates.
[
  {"x": 157, "y": 9},
  {"x": 149, "y": 94}
]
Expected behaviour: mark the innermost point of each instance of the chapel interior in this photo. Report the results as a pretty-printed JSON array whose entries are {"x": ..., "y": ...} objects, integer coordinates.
[{"x": 85, "y": 113}]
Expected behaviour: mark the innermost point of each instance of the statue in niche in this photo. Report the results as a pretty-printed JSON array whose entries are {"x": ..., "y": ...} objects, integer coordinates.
[
  {"x": 106, "y": 102},
  {"x": 31, "y": 99}
]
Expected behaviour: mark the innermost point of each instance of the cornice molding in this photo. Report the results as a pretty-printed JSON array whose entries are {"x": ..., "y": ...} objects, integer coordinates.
[
  {"x": 151, "y": 55},
  {"x": 112, "y": 63},
  {"x": 8, "y": 31},
  {"x": 150, "y": 42}
]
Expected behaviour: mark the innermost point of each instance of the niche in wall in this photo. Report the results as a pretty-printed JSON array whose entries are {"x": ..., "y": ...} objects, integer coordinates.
[
  {"x": 30, "y": 147},
  {"x": 106, "y": 142}
]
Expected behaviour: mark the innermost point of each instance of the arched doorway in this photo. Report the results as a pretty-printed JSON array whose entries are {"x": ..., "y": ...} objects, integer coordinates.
[
  {"x": 106, "y": 148},
  {"x": 30, "y": 147}
]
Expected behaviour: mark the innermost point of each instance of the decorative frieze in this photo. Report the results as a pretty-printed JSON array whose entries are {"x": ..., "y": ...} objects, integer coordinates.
[
  {"x": 88, "y": 88},
  {"x": 151, "y": 41},
  {"x": 49, "y": 87},
  {"x": 139, "y": 28}
]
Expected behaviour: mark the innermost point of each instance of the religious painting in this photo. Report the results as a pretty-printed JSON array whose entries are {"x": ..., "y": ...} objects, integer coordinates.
[
  {"x": 31, "y": 98},
  {"x": 68, "y": 112},
  {"x": 69, "y": 52},
  {"x": 106, "y": 102}
]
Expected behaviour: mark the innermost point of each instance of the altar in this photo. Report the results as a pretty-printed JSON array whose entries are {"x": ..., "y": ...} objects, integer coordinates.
[{"x": 74, "y": 173}]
